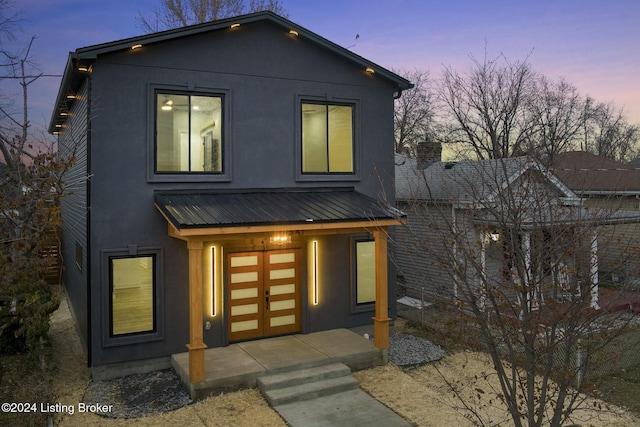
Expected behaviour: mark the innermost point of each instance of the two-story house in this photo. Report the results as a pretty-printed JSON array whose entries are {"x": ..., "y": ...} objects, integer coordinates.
[{"x": 227, "y": 187}]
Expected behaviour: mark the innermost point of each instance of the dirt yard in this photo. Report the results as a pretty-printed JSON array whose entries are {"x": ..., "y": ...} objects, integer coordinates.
[{"x": 420, "y": 395}]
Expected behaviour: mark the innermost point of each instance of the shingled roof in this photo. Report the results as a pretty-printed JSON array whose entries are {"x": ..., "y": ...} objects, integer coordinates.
[
  {"x": 465, "y": 181},
  {"x": 587, "y": 173}
]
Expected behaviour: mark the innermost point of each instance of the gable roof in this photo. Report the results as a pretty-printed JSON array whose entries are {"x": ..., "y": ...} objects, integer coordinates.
[
  {"x": 466, "y": 181},
  {"x": 83, "y": 57},
  {"x": 587, "y": 173}
]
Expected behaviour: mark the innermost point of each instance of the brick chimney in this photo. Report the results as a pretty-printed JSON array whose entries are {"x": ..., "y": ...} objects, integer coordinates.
[{"x": 428, "y": 152}]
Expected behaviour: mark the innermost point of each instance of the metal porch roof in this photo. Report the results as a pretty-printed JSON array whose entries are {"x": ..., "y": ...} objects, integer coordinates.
[{"x": 188, "y": 210}]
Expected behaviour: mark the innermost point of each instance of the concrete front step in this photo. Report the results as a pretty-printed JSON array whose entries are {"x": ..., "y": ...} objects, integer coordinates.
[
  {"x": 302, "y": 376},
  {"x": 306, "y": 384},
  {"x": 311, "y": 390}
]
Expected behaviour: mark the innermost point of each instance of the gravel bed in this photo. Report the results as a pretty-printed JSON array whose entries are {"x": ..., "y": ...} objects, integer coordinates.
[
  {"x": 138, "y": 395},
  {"x": 409, "y": 350}
]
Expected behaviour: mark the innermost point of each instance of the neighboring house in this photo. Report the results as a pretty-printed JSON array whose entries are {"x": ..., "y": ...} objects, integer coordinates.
[
  {"x": 462, "y": 217},
  {"x": 606, "y": 184},
  {"x": 226, "y": 188},
  {"x": 601, "y": 181}
]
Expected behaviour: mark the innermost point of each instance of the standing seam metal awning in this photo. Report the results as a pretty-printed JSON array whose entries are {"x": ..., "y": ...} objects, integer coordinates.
[{"x": 274, "y": 208}]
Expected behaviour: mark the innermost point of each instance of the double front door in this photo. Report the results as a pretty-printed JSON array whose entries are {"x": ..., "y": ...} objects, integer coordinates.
[{"x": 263, "y": 293}]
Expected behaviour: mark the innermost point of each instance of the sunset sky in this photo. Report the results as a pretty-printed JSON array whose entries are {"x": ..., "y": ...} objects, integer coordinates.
[{"x": 593, "y": 44}]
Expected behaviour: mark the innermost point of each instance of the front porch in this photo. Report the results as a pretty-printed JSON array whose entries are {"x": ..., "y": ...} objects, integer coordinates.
[{"x": 239, "y": 365}]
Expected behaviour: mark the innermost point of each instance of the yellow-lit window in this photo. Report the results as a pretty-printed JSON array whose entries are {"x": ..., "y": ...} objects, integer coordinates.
[
  {"x": 132, "y": 294},
  {"x": 327, "y": 138},
  {"x": 188, "y": 133},
  {"x": 365, "y": 272}
]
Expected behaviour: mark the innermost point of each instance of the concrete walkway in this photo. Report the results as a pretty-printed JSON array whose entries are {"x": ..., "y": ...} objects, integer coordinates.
[{"x": 349, "y": 408}]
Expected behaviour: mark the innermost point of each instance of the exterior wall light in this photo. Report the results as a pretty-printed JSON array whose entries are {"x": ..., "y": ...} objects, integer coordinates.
[
  {"x": 280, "y": 239},
  {"x": 494, "y": 235},
  {"x": 136, "y": 46},
  {"x": 213, "y": 288},
  {"x": 314, "y": 272},
  {"x": 293, "y": 33},
  {"x": 236, "y": 25},
  {"x": 370, "y": 70}
]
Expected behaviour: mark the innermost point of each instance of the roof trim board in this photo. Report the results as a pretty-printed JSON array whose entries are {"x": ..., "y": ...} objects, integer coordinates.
[{"x": 73, "y": 77}]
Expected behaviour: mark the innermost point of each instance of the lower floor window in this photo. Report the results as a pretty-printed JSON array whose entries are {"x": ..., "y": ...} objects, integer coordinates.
[
  {"x": 133, "y": 288},
  {"x": 365, "y": 259}
]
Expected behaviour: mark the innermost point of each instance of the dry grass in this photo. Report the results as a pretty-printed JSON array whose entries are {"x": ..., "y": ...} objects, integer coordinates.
[
  {"x": 423, "y": 397},
  {"x": 419, "y": 395}
]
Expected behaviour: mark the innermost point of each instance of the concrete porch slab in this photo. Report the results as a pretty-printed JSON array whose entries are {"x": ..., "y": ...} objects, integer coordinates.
[
  {"x": 226, "y": 369},
  {"x": 239, "y": 365},
  {"x": 275, "y": 354},
  {"x": 340, "y": 346}
]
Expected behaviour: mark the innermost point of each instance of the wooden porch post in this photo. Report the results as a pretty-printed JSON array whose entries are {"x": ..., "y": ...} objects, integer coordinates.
[
  {"x": 381, "y": 319},
  {"x": 196, "y": 344}
]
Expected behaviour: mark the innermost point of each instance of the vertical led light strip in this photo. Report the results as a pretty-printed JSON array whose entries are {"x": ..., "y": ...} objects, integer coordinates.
[
  {"x": 314, "y": 251},
  {"x": 212, "y": 283}
]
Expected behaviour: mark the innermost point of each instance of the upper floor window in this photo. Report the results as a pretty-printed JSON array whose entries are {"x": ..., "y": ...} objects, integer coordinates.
[
  {"x": 327, "y": 138},
  {"x": 189, "y": 133}
]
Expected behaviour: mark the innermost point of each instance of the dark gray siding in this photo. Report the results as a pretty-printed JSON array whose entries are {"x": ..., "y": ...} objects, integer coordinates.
[
  {"x": 264, "y": 74},
  {"x": 73, "y": 143}
]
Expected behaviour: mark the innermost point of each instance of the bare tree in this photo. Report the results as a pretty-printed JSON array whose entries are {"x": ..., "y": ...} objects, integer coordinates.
[
  {"x": 607, "y": 133},
  {"x": 414, "y": 113},
  {"x": 501, "y": 109},
  {"x": 30, "y": 188},
  {"x": 513, "y": 253},
  {"x": 180, "y": 13},
  {"x": 486, "y": 107},
  {"x": 558, "y": 114}
]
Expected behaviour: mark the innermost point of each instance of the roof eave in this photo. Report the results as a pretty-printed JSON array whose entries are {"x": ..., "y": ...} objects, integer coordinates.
[
  {"x": 88, "y": 54},
  {"x": 68, "y": 77},
  {"x": 92, "y": 52}
]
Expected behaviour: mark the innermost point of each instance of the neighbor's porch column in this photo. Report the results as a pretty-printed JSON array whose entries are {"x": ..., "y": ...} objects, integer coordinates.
[
  {"x": 593, "y": 262},
  {"x": 530, "y": 288},
  {"x": 381, "y": 319},
  {"x": 196, "y": 344},
  {"x": 483, "y": 285}
]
